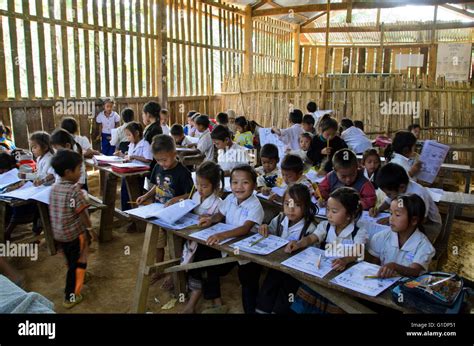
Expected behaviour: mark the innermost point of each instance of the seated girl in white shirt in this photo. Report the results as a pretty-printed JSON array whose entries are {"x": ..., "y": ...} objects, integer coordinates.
[{"x": 402, "y": 152}]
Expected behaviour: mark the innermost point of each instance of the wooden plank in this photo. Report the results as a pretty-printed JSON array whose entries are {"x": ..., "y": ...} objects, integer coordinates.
[
  {"x": 77, "y": 56},
  {"x": 14, "y": 50},
  {"x": 3, "y": 71},
  {"x": 30, "y": 77},
  {"x": 5, "y": 116},
  {"x": 296, "y": 51},
  {"x": 321, "y": 59},
  {"x": 87, "y": 65},
  {"x": 361, "y": 60},
  {"x": 170, "y": 58},
  {"x": 65, "y": 51},
  {"x": 139, "y": 47},
  {"x": 20, "y": 127},
  {"x": 42, "y": 53},
  {"x": 106, "y": 70},
  {"x": 184, "y": 65},
  {"x": 123, "y": 45},
  {"x": 201, "y": 56},
  {"x": 47, "y": 115},
  {"x": 54, "y": 52},
  {"x": 113, "y": 11},
  {"x": 195, "y": 53},
  {"x": 386, "y": 60},
  {"x": 132, "y": 54},
  {"x": 148, "y": 59},
  {"x": 162, "y": 51},
  {"x": 33, "y": 120},
  {"x": 178, "y": 49},
  {"x": 370, "y": 60},
  {"x": 211, "y": 80},
  {"x": 97, "y": 67}
]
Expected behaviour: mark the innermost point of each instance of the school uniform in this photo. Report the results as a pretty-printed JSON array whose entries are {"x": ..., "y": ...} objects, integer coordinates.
[
  {"x": 120, "y": 139},
  {"x": 108, "y": 123},
  {"x": 83, "y": 142},
  {"x": 43, "y": 165},
  {"x": 166, "y": 129},
  {"x": 267, "y": 179},
  {"x": 351, "y": 234},
  {"x": 249, "y": 274},
  {"x": 151, "y": 131},
  {"x": 291, "y": 136},
  {"x": 403, "y": 161},
  {"x": 371, "y": 177},
  {"x": 365, "y": 188},
  {"x": 205, "y": 145},
  {"x": 318, "y": 143},
  {"x": 356, "y": 140},
  {"x": 433, "y": 224},
  {"x": 417, "y": 249},
  {"x": 232, "y": 157},
  {"x": 278, "y": 286},
  {"x": 184, "y": 142}
]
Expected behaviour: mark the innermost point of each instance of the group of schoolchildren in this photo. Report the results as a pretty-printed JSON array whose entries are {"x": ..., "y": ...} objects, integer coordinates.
[{"x": 312, "y": 142}]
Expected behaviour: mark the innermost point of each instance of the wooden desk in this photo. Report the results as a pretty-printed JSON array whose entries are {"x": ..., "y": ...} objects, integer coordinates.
[
  {"x": 465, "y": 147},
  {"x": 190, "y": 156},
  {"x": 109, "y": 195},
  {"x": 463, "y": 169},
  {"x": 341, "y": 296}
]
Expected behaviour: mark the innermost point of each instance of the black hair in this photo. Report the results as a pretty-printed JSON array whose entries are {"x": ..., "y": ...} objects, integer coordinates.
[
  {"x": 402, "y": 144},
  {"x": 108, "y": 100},
  {"x": 62, "y": 137},
  {"x": 2, "y": 128},
  {"x": 191, "y": 114},
  {"x": 300, "y": 194},
  {"x": 177, "y": 130},
  {"x": 350, "y": 200},
  {"x": 202, "y": 120},
  {"x": 163, "y": 143},
  {"x": 245, "y": 168},
  {"x": 359, "y": 124},
  {"x": 344, "y": 158},
  {"x": 153, "y": 108},
  {"x": 222, "y": 118},
  {"x": 43, "y": 139},
  {"x": 135, "y": 126},
  {"x": 370, "y": 152},
  {"x": 127, "y": 115},
  {"x": 7, "y": 162},
  {"x": 213, "y": 172},
  {"x": 327, "y": 123},
  {"x": 221, "y": 133},
  {"x": 391, "y": 176},
  {"x": 307, "y": 135},
  {"x": 65, "y": 159},
  {"x": 70, "y": 125},
  {"x": 312, "y": 107},
  {"x": 243, "y": 123},
  {"x": 346, "y": 123},
  {"x": 195, "y": 116},
  {"x": 414, "y": 126},
  {"x": 164, "y": 111},
  {"x": 296, "y": 116},
  {"x": 270, "y": 151},
  {"x": 308, "y": 119},
  {"x": 292, "y": 163},
  {"x": 415, "y": 207}
]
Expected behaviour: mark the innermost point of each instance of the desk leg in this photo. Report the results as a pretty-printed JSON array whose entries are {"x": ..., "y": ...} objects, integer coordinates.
[
  {"x": 175, "y": 247},
  {"x": 102, "y": 180},
  {"x": 48, "y": 233},
  {"x": 441, "y": 244},
  {"x": 3, "y": 226},
  {"x": 147, "y": 259},
  {"x": 468, "y": 182},
  {"x": 134, "y": 191},
  {"x": 107, "y": 217}
]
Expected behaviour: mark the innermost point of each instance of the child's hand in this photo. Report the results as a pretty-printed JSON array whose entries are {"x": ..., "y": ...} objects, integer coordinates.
[
  {"x": 326, "y": 151},
  {"x": 387, "y": 271},
  {"x": 215, "y": 239},
  {"x": 339, "y": 264},
  {"x": 373, "y": 212},
  {"x": 266, "y": 191},
  {"x": 37, "y": 182},
  {"x": 205, "y": 221},
  {"x": 141, "y": 200},
  {"x": 416, "y": 168},
  {"x": 383, "y": 221},
  {"x": 172, "y": 201},
  {"x": 322, "y": 203},
  {"x": 292, "y": 246},
  {"x": 263, "y": 230}
]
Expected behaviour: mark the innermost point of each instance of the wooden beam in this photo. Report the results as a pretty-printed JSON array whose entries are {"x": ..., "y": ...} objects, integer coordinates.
[
  {"x": 297, "y": 51},
  {"x": 349, "y": 11},
  {"x": 355, "y": 5},
  {"x": 391, "y": 27},
  {"x": 161, "y": 51},
  {"x": 259, "y": 4},
  {"x": 433, "y": 50},
  {"x": 223, "y": 7},
  {"x": 458, "y": 10},
  {"x": 248, "y": 56},
  {"x": 326, "y": 56},
  {"x": 312, "y": 19}
]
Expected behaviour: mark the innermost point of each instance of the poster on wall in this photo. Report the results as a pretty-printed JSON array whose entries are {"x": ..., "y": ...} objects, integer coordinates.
[{"x": 453, "y": 61}]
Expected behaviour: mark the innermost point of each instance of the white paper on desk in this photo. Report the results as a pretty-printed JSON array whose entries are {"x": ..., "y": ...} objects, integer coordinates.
[
  {"x": 146, "y": 211},
  {"x": 43, "y": 195},
  {"x": 436, "y": 194},
  {"x": 264, "y": 247},
  {"x": 28, "y": 191},
  {"x": 186, "y": 221},
  {"x": 370, "y": 223},
  {"x": 266, "y": 136},
  {"x": 313, "y": 176},
  {"x": 432, "y": 156},
  {"x": 108, "y": 159},
  {"x": 214, "y": 229},
  {"x": 306, "y": 260},
  {"x": 193, "y": 140},
  {"x": 9, "y": 178},
  {"x": 354, "y": 279},
  {"x": 129, "y": 165},
  {"x": 176, "y": 211}
]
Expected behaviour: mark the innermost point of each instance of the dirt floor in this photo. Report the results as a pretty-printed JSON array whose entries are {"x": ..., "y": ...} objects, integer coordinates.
[{"x": 114, "y": 271}]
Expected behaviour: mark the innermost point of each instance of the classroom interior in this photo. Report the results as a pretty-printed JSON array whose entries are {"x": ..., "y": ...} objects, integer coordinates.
[{"x": 260, "y": 58}]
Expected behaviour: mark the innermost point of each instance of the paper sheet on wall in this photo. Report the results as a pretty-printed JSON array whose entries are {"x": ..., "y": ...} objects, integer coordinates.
[
  {"x": 263, "y": 247},
  {"x": 306, "y": 261},
  {"x": 453, "y": 61},
  {"x": 9, "y": 178},
  {"x": 354, "y": 279},
  {"x": 266, "y": 136},
  {"x": 214, "y": 229},
  {"x": 432, "y": 156}
]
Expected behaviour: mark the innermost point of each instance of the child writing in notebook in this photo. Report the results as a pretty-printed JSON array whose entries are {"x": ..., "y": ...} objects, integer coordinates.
[
  {"x": 43, "y": 152},
  {"x": 189, "y": 128},
  {"x": 354, "y": 137},
  {"x": 107, "y": 120},
  {"x": 230, "y": 154},
  {"x": 209, "y": 180},
  {"x": 403, "y": 249},
  {"x": 70, "y": 222},
  {"x": 297, "y": 220},
  {"x": 347, "y": 173},
  {"x": 204, "y": 144},
  {"x": 268, "y": 172},
  {"x": 120, "y": 139},
  {"x": 243, "y": 136},
  {"x": 290, "y": 136},
  {"x": 371, "y": 163},
  {"x": 181, "y": 140},
  {"x": 393, "y": 180},
  {"x": 70, "y": 125},
  {"x": 325, "y": 144},
  {"x": 340, "y": 238},
  {"x": 243, "y": 210},
  {"x": 402, "y": 152},
  {"x": 170, "y": 181}
]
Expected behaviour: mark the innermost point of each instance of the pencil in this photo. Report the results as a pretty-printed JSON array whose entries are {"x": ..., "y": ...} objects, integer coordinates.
[
  {"x": 327, "y": 142},
  {"x": 132, "y": 202},
  {"x": 318, "y": 192},
  {"x": 376, "y": 277},
  {"x": 318, "y": 262},
  {"x": 257, "y": 241},
  {"x": 191, "y": 193}
]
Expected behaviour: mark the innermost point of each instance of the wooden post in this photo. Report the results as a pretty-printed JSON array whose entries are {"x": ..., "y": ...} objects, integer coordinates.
[
  {"x": 379, "y": 63},
  {"x": 326, "y": 57},
  {"x": 248, "y": 56},
  {"x": 433, "y": 51},
  {"x": 162, "y": 52},
  {"x": 297, "y": 51}
]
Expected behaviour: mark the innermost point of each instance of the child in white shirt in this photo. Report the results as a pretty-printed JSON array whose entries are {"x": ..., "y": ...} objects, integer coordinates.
[
  {"x": 354, "y": 137},
  {"x": 108, "y": 120},
  {"x": 230, "y": 154},
  {"x": 291, "y": 135}
]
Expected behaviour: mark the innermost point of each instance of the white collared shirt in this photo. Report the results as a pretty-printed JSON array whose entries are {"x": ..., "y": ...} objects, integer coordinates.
[
  {"x": 205, "y": 145},
  {"x": 209, "y": 206},
  {"x": 142, "y": 149},
  {"x": 417, "y": 249},
  {"x": 291, "y": 136},
  {"x": 108, "y": 123},
  {"x": 366, "y": 174},
  {"x": 401, "y": 160},
  {"x": 166, "y": 129},
  {"x": 43, "y": 165},
  {"x": 233, "y": 156},
  {"x": 345, "y": 237},
  {"x": 356, "y": 140},
  {"x": 294, "y": 232},
  {"x": 236, "y": 214},
  {"x": 83, "y": 142}
]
